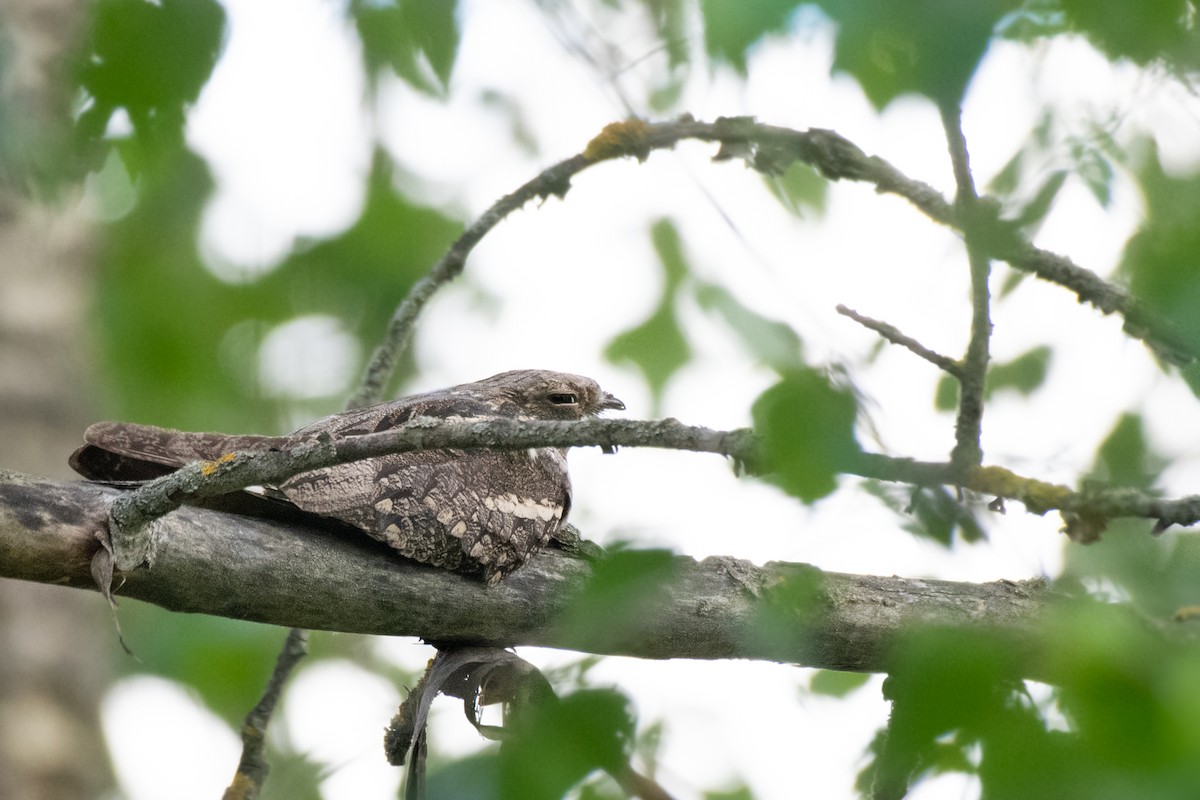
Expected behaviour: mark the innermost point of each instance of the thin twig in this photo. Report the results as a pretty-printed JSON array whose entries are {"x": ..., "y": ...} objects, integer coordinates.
[
  {"x": 252, "y": 770},
  {"x": 893, "y": 335},
  {"x": 968, "y": 426},
  {"x": 741, "y": 445}
]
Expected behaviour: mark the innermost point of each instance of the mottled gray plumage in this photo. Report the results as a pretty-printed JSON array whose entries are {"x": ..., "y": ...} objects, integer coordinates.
[{"x": 470, "y": 510}]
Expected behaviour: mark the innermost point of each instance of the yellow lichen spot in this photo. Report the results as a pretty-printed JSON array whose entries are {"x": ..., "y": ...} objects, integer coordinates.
[
  {"x": 243, "y": 786},
  {"x": 628, "y": 138},
  {"x": 209, "y": 467},
  {"x": 1187, "y": 614},
  {"x": 1038, "y": 496}
]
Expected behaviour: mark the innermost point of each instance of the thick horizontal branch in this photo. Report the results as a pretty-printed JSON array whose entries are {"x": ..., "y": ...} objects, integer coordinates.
[{"x": 331, "y": 578}]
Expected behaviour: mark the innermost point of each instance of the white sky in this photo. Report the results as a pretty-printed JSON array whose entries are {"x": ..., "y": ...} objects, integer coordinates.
[{"x": 283, "y": 124}]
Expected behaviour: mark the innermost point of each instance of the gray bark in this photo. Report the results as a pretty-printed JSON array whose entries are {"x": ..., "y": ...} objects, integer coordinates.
[{"x": 293, "y": 574}]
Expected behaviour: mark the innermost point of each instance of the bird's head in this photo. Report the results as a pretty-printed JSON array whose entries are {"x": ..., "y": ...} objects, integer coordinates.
[{"x": 542, "y": 394}]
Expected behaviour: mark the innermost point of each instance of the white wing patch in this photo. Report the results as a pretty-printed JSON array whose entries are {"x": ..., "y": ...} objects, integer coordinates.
[{"x": 523, "y": 507}]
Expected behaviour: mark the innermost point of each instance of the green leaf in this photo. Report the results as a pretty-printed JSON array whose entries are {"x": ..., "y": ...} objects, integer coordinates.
[
  {"x": 799, "y": 189},
  {"x": 476, "y": 776},
  {"x": 945, "y": 681},
  {"x": 1023, "y": 374},
  {"x": 1035, "y": 20},
  {"x": 1142, "y": 31},
  {"x": 834, "y": 683},
  {"x": 657, "y": 347},
  {"x": 189, "y": 358},
  {"x": 1012, "y": 279},
  {"x": 1160, "y": 259},
  {"x": 945, "y": 396},
  {"x": 624, "y": 587},
  {"x": 417, "y": 39},
  {"x": 151, "y": 59},
  {"x": 733, "y": 27},
  {"x": 1096, "y": 171},
  {"x": 774, "y": 343},
  {"x": 796, "y": 597},
  {"x": 670, "y": 18},
  {"x": 738, "y": 793},
  {"x": 807, "y": 426},
  {"x": 929, "y": 512},
  {"x": 930, "y": 47},
  {"x": 226, "y": 661},
  {"x": 562, "y": 742},
  {"x": 1125, "y": 457},
  {"x": 1032, "y": 214},
  {"x": 938, "y": 515},
  {"x": 668, "y": 245}
]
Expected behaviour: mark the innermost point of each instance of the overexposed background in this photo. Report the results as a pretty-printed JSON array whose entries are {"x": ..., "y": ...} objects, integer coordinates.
[{"x": 285, "y": 129}]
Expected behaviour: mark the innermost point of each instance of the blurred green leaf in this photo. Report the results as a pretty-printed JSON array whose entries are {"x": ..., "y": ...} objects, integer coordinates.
[
  {"x": 799, "y": 189},
  {"x": 774, "y": 343},
  {"x": 624, "y": 587},
  {"x": 733, "y": 27},
  {"x": 670, "y": 18},
  {"x": 1191, "y": 376},
  {"x": 930, "y": 47},
  {"x": 1035, "y": 19},
  {"x": 938, "y": 515},
  {"x": 293, "y": 776},
  {"x": 150, "y": 59},
  {"x": 664, "y": 97},
  {"x": 180, "y": 345},
  {"x": 1142, "y": 31},
  {"x": 798, "y": 596},
  {"x": 562, "y": 742},
  {"x": 668, "y": 245},
  {"x": 1160, "y": 259},
  {"x": 418, "y": 39},
  {"x": 929, "y": 512},
  {"x": 807, "y": 426},
  {"x": 1125, "y": 458},
  {"x": 1156, "y": 573},
  {"x": 1012, "y": 279},
  {"x": 1031, "y": 215},
  {"x": 227, "y": 662},
  {"x": 946, "y": 681},
  {"x": 1096, "y": 171},
  {"x": 657, "y": 347},
  {"x": 163, "y": 315},
  {"x": 945, "y": 396},
  {"x": 834, "y": 683},
  {"x": 1023, "y": 374},
  {"x": 475, "y": 776}
]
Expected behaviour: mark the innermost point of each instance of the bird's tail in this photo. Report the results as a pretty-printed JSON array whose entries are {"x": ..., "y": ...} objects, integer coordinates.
[{"x": 124, "y": 451}]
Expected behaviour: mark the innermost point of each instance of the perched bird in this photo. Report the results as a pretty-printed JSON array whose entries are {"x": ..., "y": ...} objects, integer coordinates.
[{"x": 477, "y": 511}]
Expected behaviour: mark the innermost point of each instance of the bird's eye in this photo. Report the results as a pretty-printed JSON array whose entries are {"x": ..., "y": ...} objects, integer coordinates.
[{"x": 563, "y": 399}]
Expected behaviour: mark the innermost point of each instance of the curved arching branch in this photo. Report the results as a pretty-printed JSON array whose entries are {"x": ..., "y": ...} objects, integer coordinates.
[{"x": 771, "y": 149}]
